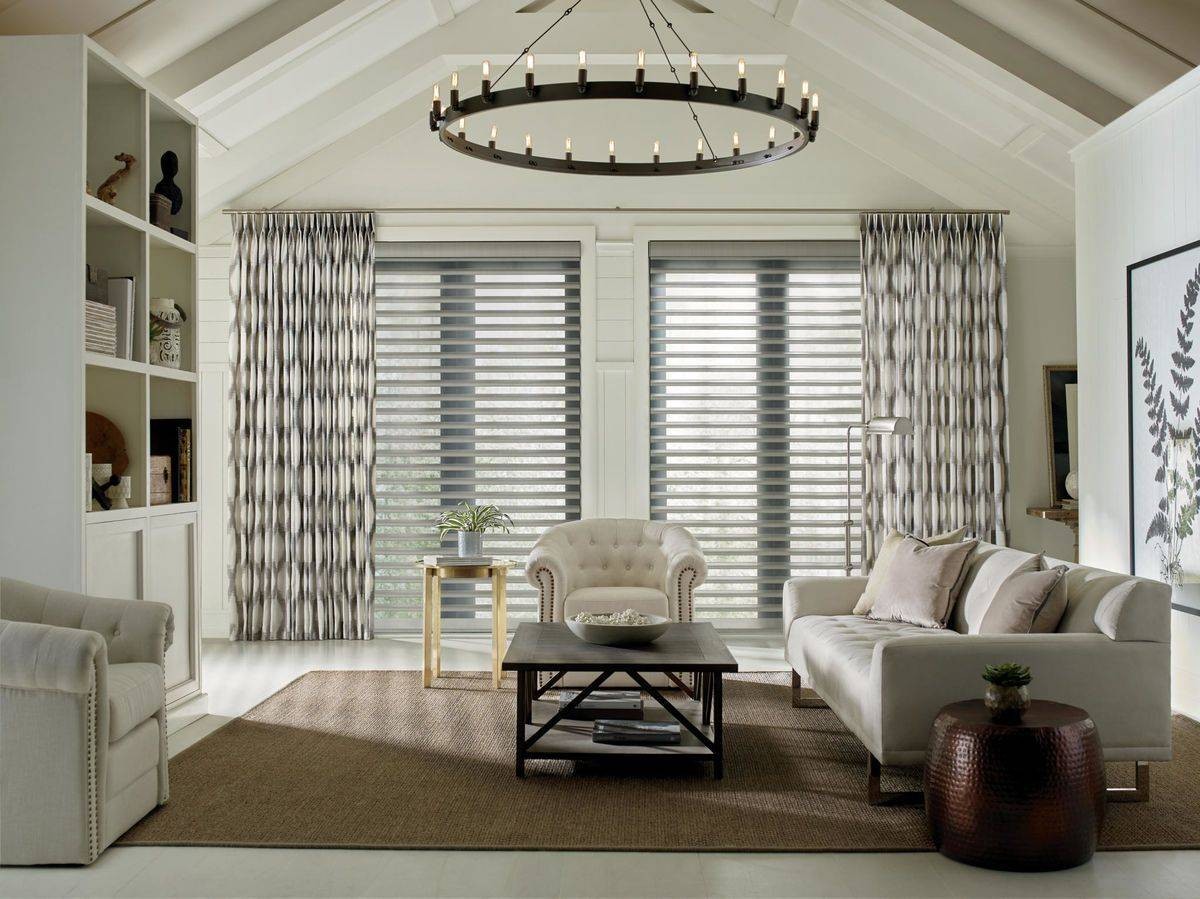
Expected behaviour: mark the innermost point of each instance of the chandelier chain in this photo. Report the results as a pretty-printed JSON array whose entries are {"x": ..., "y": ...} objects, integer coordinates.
[
  {"x": 671, "y": 66},
  {"x": 682, "y": 42},
  {"x": 521, "y": 55}
]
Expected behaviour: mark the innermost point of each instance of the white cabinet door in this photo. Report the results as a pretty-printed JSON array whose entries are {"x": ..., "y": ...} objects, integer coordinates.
[
  {"x": 171, "y": 566},
  {"x": 115, "y": 554}
]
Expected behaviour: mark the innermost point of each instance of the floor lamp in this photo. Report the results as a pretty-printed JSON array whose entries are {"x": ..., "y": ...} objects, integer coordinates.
[{"x": 880, "y": 426}]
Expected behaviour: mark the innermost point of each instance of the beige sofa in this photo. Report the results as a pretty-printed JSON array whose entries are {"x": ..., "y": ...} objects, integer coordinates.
[
  {"x": 887, "y": 680},
  {"x": 83, "y": 740}
]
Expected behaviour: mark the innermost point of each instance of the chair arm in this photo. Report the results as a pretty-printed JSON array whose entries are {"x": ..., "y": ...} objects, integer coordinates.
[
  {"x": 44, "y": 657},
  {"x": 685, "y": 571},
  {"x": 546, "y": 568},
  {"x": 820, "y": 596},
  {"x": 145, "y": 632},
  {"x": 1124, "y": 686}
]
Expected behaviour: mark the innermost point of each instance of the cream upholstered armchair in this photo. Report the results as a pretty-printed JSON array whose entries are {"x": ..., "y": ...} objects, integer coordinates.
[
  {"x": 83, "y": 739},
  {"x": 612, "y": 564}
]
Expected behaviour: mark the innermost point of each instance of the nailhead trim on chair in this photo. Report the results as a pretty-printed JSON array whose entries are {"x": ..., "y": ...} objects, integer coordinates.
[
  {"x": 92, "y": 787},
  {"x": 164, "y": 791}
]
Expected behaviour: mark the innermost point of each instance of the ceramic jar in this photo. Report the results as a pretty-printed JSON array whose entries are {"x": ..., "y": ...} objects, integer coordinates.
[{"x": 166, "y": 332}]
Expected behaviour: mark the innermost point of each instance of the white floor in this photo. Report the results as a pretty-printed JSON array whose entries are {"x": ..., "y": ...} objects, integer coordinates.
[{"x": 237, "y": 676}]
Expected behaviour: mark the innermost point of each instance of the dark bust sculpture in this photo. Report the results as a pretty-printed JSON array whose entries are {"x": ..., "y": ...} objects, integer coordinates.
[{"x": 167, "y": 186}]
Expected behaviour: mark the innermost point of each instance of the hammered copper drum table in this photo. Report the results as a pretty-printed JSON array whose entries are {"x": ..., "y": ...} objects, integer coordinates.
[{"x": 1018, "y": 797}]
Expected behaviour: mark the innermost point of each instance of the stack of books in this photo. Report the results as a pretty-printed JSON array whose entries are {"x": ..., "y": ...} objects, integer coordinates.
[
  {"x": 625, "y": 704},
  {"x": 608, "y": 730},
  {"x": 120, "y": 298},
  {"x": 459, "y": 561},
  {"x": 172, "y": 437},
  {"x": 99, "y": 328}
]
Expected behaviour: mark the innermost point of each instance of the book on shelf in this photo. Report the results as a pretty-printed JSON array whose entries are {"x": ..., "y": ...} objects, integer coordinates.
[
  {"x": 99, "y": 328},
  {"x": 609, "y": 730},
  {"x": 457, "y": 561},
  {"x": 120, "y": 297},
  {"x": 172, "y": 437},
  {"x": 625, "y": 704}
]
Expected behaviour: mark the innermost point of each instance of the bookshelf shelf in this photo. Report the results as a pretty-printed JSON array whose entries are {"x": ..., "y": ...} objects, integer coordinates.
[
  {"x": 133, "y": 512},
  {"x": 173, "y": 509},
  {"x": 172, "y": 374},
  {"x": 103, "y": 214},
  {"x": 163, "y": 238},
  {"x": 99, "y": 360}
]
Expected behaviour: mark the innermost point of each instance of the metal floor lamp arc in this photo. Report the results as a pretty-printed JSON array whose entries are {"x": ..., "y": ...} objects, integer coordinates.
[{"x": 879, "y": 426}]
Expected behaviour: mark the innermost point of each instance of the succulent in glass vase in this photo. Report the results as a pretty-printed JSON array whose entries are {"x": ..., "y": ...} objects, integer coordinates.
[
  {"x": 1007, "y": 693},
  {"x": 470, "y": 523}
]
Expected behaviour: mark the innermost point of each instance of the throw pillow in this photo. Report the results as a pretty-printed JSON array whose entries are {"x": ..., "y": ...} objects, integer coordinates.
[
  {"x": 918, "y": 585},
  {"x": 884, "y": 558},
  {"x": 1029, "y": 602}
]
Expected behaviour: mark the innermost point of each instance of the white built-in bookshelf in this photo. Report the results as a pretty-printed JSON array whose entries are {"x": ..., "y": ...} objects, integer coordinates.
[{"x": 68, "y": 108}]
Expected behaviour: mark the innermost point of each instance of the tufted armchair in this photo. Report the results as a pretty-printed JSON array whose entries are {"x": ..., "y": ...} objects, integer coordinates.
[
  {"x": 611, "y": 564},
  {"x": 83, "y": 739}
]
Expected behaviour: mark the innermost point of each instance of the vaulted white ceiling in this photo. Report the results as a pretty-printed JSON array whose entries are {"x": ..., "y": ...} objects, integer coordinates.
[{"x": 971, "y": 103}]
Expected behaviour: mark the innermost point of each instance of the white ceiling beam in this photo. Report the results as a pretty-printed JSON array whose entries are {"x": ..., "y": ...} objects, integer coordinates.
[
  {"x": 232, "y": 61},
  {"x": 889, "y": 114},
  {"x": 443, "y": 10}
]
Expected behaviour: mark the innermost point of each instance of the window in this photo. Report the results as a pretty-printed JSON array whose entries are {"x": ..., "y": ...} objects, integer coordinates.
[
  {"x": 477, "y": 400},
  {"x": 755, "y": 373}
]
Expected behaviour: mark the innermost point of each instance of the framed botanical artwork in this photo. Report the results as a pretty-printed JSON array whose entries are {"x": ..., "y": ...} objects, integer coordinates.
[{"x": 1164, "y": 416}]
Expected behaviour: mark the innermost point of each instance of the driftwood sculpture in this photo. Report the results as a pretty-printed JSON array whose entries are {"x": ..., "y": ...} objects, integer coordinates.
[{"x": 108, "y": 190}]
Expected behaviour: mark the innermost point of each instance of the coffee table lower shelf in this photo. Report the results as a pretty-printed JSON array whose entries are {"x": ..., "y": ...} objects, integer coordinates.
[{"x": 572, "y": 740}]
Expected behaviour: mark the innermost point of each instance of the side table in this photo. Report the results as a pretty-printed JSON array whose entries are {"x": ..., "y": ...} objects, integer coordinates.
[
  {"x": 497, "y": 573},
  {"x": 1018, "y": 797}
]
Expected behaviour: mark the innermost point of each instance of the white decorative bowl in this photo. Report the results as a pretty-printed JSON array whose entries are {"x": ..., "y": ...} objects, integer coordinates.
[{"x": 621, "y": 634}]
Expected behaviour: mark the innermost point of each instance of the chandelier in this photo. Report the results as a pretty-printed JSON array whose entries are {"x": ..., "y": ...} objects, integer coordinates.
[{"x": 796, "y": 127}]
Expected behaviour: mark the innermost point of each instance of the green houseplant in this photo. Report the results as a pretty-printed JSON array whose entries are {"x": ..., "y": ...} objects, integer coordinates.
[
  {"x": 470, "y": 523},
  {"x": 1007, "y": 693}
]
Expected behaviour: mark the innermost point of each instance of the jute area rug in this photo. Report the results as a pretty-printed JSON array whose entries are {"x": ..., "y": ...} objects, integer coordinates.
[{"x": 368, "y": 759}]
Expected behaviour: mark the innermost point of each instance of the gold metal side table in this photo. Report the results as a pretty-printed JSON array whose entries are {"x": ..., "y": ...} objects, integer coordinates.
[{"x": 497, "y": 573}]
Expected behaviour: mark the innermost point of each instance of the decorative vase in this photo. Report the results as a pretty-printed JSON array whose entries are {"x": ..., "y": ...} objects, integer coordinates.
[
  {"x": 1007, "y": 705},
  {"x": 470, "y": 543},
  {"x": 1072, "y": 484},
  {"x": 166, "y": 326}
]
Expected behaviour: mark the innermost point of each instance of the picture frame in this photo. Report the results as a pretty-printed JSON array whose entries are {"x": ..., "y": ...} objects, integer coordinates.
[
  {"x": 1061, "y": 427},
  {"x": 1162, "y": 346}
]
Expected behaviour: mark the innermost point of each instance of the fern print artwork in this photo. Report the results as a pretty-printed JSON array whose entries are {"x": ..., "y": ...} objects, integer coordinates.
[{"x": 1165, "y": 415}]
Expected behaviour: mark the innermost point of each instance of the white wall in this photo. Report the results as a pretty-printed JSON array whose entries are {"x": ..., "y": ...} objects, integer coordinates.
[{"x": 1137, "y": 188}]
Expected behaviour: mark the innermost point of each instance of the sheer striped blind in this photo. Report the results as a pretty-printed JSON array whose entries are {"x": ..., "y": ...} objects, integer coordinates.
[
  {"x": 755, "y": 373},
  {"x": 477, "y": 400}
]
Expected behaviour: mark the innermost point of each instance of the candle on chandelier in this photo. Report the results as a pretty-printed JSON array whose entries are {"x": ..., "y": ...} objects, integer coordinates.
[
  {"x": 780, "y": 89},
  {"x": 582, "y": 71},
  {"x": 612, "y": 151},
  {"x": 462, "y": 132},
  {"x": 568, "y": 149},
  {"x": 737, "y": 144},
  {"x": 486, "y": 86},
  {"x": 639, "y": 75},
  {"x": 694, "y": 73},
  {"x": 771, "y": 138},
  {"x": 435, "y": 112},
  {"x": 804, "y": 100},
  {"x": 699, "y": 149},
  {"x": 492, "y": 138},
  {"x": 528, "y": 144},
  {"x": 529, "y": 73},
  {"x": 454, "y": 90},
  {"x": 656, "y": 156},
  {"x": 814, "y": 121},
  {"x": 741, "y": 82}
]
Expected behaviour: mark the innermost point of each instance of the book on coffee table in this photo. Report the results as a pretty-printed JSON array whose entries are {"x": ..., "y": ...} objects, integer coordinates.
[
  {"x": 608, "y": 730},
  {"x": 457, "y": 561},
  {"x": 625, "y": 704}
]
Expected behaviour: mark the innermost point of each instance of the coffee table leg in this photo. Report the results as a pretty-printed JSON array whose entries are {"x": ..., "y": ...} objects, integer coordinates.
[
  {"x": 718, "y": 737},
  {"x": 427, "y": 630},
  {"x": 705, "y": 688},
  {"x": 522, "y": 714}
]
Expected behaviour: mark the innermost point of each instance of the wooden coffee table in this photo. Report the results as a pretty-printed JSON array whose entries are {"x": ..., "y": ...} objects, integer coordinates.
[{"x": 544, "y": 732}]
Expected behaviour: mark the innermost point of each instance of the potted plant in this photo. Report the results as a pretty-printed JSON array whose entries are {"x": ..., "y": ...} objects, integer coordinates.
[
  {"x": 470, "y": 523},
  {"x": 1007, "y": 693}
]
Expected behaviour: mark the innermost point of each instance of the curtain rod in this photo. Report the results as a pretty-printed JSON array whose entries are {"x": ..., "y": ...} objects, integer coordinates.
[{"x": 770, "y": 210}]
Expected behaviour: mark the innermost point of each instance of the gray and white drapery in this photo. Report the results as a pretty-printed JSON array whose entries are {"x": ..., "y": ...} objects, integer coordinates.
[
  {"x": 303, "y": 356},
  {"x": 934, "y": 321}
]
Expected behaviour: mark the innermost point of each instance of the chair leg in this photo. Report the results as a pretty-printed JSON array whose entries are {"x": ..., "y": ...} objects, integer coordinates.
[
  {"x": 876, "y": 795},
  {"x": 1139, "y": 792}
]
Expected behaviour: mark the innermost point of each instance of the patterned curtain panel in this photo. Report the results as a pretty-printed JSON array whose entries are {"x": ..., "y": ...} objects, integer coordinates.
[
  {"x": 303, "y": 355},
  {"x": 934, "y": 350}
]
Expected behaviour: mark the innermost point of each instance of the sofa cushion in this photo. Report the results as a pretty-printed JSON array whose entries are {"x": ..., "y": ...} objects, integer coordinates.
[
  {"x": 135, "y": 692},
  {"x": 919, "y": 584},
  {"x": 1029, "y": 602},
  {"x": 834, "y": 652},
  {"x": 987, "y": 568},
  {"x": 883, "y": 560},
  {"x": 615, "y": 599}
]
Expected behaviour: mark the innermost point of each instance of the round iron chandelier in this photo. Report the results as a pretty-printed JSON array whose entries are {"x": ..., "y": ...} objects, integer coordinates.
[{"x": 796, "y": 127}]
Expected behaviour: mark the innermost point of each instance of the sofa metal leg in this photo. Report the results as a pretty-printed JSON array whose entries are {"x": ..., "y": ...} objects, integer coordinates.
[
  {"x": 800, "y": 701},
  {"x": 876, "y": 795},
  {"x": 1139, "y": 792}
]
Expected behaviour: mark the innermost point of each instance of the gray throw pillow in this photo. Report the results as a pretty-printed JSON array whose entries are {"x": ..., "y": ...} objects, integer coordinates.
[
  {"x": 1028, "y": 602},
  {"x": 919, "y": 583}
]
